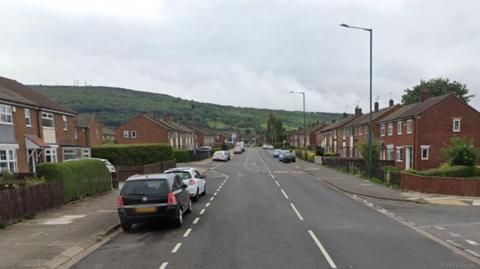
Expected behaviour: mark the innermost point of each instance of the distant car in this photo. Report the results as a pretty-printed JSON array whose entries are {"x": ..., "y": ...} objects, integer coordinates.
[
  {"x": 193, "y": 179},
  {"x": 238, "y": 150},
  {"x": 152, "y": 197},
  {"x": 287, "y": 157},
  {"x": 220, "y": 156},
  {"x": 107, "y": 163},
  {"x": 269, "y": 147},
  {"x": 276, "y": 152}
]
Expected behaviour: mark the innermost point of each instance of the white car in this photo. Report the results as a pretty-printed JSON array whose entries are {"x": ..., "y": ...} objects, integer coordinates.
[
  {"x": 196, "y": 183},
  {"x": 220, "y": 156},
  {"x": 107, "y": 163}
]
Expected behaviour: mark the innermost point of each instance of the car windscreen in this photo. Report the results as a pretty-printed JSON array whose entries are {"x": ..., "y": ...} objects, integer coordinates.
[
  {"x": 146, "y": 187},
  {"x": 182, "y": 174}
]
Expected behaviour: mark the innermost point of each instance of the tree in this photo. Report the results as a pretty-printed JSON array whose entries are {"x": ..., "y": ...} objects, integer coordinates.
[
  {"x": 436, "y": 87},
  {"x": 275, "y": 131},
  {"x": 461, "y": 152},
  {"x": 375, "y": 152}
]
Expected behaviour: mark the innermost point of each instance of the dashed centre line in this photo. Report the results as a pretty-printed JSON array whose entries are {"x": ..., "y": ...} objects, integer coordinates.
[
  {"x": 177, "y": 246},
  {"x": 278, "y": 184},
  {"x": 163, "y": 265},
  {"x": 215, "y": 194},
  {"x": 211, "y": 199},
  {"x": 207, "y": 205},
  {"x": 196, "y": 220},
  {"x": 296, "y": 211},
  {"x": 323, "y": 250},
  {"x": 471, "y": 242},
  {"x": 202, "y": 211},
  {"x": 284, "y": 194},
  {"x": 189, "y": 230}
]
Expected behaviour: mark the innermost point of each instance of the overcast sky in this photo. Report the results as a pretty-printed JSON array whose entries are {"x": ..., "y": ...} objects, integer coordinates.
[{"x": 244, "y": 53}]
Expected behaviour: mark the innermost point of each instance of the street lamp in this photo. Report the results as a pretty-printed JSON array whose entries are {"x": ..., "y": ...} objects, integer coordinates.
[
  {"x": 304, "y": 121},
  {"x": 370, "y": 30}
]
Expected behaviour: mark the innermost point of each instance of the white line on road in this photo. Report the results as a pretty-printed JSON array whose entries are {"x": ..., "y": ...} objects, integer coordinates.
[
  {"x": 215, "y": 194},
  {"x": 203, "y": 211},
  {"x": 472, "y": 252},
  {"x": 454, "y": 234},
  {"x": 296, "y": 211},
  {"x": 177, "y": 246},
  {"x": 207, "y": 204},
  {"x": 211, "y": 199},
  {"x": 284, "y": 194},
  {"x": 196, "y": 220},
  {"x": 440, "y": 228},
  {"x": 323, "y": 250},
  {"x": 187, "y": 232},
  {"x": 471, "y": 242},
  {"x": 163, "y": 266},
  {"x": 272, "y": 176},
  {"x": 278, "y": 184}
]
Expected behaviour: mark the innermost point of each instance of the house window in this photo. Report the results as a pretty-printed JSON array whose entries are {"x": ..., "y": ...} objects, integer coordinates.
[
  {"x": 425, "y": 149},
  {"x": 409, "y": 126},
  {"x": 399, "y": 127},
  {"x": 456, "y": 124},
  {"x": 8, "y": 160},
  {"x": 133, "y": 134},
  {"x": 86, "y": 153},
  {"x": 65, "y": 122},
  {"x": 6, "y": 114},
  {"x": 47, "y": 120},
  {"x": 390, "y": 152},
  {"x": 98, "y": 134},
  {"x": 75, "y": 134},
  {"x": 390, "y": 129},
  {"x": 28, "y": 118},
  {"x": 382, "y": 130},
  {"x": 399, "y": 154},
  {"x": 50, "y": 155},
  {"x": 344, "y": 133},
  {"x": 69, "y": 154},
  {"x": 360, "y": 130},
  {"x": 335, "y": 133},
  {"x": 126, "y": 134}
]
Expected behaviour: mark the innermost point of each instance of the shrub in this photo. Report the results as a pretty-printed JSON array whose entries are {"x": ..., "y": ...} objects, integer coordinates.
[
  {"x": 330, "y": 154},
  {"x": 306, "y": 155},
  {"x": 391, "y": 169},
  {"x": 452, "y": 171},
  {"x": 131, "y": 155},
  {"x": 375, "y": 152},
  {"x": 461, "y": 152},
  {"x": 181, "y": 156},
  {"x": 79, "y": 178},
  {"x": 2, "y": 226},
  {"x": 319, "y": 151}
]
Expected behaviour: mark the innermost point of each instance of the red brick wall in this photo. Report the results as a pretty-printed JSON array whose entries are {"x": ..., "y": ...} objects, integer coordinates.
[
  {"x": 20, "y": 130},
  {"x": 440, "y": 185},
  {"x": 95, "y": 133},
  {"x": 147, "y": 132},
  {"x": 399, "y": 140}
]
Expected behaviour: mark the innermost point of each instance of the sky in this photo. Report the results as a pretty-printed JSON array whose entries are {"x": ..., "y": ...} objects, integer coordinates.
[{"x": 244, "y": 53}]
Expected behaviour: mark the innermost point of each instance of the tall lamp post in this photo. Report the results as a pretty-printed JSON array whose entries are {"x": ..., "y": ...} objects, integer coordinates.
[
  {"x": 370, "y": 30},
  {"x": 304, "y": 121}
]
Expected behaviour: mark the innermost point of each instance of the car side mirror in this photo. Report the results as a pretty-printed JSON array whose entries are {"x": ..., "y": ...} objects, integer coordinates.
[{"x": 184, "y": 186}]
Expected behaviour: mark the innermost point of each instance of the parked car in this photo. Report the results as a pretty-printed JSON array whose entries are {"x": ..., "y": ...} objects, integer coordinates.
[
  {"x": 220, "y": 156},
  {"x": 238, "y": 150},
  {"x": 229, "y": 155},
  {"x": 150, "y": 197},
  {"x": 266, "y": 146},
  {"x": 276, "y": 152},
  {"x": 197, "y": 185},
  {"x": 287, "y": 157}
]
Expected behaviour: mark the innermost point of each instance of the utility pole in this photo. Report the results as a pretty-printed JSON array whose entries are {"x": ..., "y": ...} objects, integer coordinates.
[{"x": 193, "y": 127}]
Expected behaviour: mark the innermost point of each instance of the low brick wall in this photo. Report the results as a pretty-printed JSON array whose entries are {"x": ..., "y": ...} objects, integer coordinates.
[
  {"x": 123, "y": 172},
  {"x": 440, "y": 185}
]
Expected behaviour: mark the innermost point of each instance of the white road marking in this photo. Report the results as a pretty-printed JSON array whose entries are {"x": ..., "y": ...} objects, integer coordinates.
[
  {"x": 263, "y": 162},
  {"x": 472, "y": 252},
  {"x": 471, "y": 242},
  {"x": 284, "y": 194},
  {"x": 454, "y": 234},
  {"x": 203, "y": 211},
  {"x": 207, "y": 204},
  {"x": 278, "y": 184},
  {"x": 296, "y": 211},
  {"x": 215, "y": 194},
  {"x": 196, "y": 220},
  {"x": 187, "y": 232},
  {"x": 440, "y": 228},
  {"x": 177, "y": 246},
  {"x": 272, "y": 176},
  {"x": 163, "y": 266},
  {"x": 323, "y": 250},
  {"x": 211, "y": 199}
]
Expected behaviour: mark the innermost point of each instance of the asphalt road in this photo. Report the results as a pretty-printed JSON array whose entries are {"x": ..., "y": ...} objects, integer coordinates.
[{"x": 260, "y": 213}]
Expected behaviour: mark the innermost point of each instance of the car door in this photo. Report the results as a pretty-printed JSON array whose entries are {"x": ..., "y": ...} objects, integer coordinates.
[
  {"x": 201, "y": 180},
  {"x": 182, "y": 194}
]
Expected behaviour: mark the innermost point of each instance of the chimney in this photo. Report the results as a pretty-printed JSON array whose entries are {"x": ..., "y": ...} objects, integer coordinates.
[
  {"x": 333, "y": 121},
  {"x": 376, "y": 107},
  {"x": 390, "y": 103},
  {"x": 344, "y": 115},
  {"x": 424, "y": 95},
  {"x": 358, "y": 111}
]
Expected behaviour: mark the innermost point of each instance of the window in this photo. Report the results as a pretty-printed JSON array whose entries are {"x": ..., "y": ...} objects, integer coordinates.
[
  {"x": 390, "y": 152},
  {"x": 335, "y": 133},
  {"x": 456, "y": 125},
  {"x": 86, "y": 153},
  {"x": 98, "y": 134},
  {"x": 399, "y": 154},
  {"x": 65, "y": 122},
  {"x": 409, "y": 126},
  {"x": 344, "y": 133},
  {"x": 382, "y": 130},
  {"x": 6, "y": 114},
  {"x": 399, "y": 127},
  {"x": 133, "y": 134},
  {"x": 8, "y": 160},
  {"x": 75, "y": 134},
  {"x": 197, "y": 175},
  {"x": 126, "y": 134},
  {"x": 28, "y": 118},
  {"x": 69, "y": 154},
  {"x": 50, "y": 155},
  {"x": 425, "y": 152},
  {"x": 390, "y": 129},
  {"x": 47, "y": 120},
  {"x": 360, "y": 130}
]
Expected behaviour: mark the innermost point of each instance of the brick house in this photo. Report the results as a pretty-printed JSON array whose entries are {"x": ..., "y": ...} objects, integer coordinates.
[
  {"x": 88, "y": 130},
  {"x": 312, "y": 134},
  {"x": 108, "y": 134},
  {"x": 356, "y": 131},
  {"x": 296, "y": 138},
  {"x": 203, "y": 137},
  {"x": 415, "y": 135},
  {"x": 146, "y": 129},
  {"x": 220, "y": 139},
  {"x": 34, "y": 129},
  {"x": 331, "y": 135}
]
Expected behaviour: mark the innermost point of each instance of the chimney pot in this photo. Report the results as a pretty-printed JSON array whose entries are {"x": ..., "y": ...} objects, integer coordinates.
[
  {"x": 376, "y": 106},
  {"x": 390, "y": 103},
  {"x": 344, "y": 115}
]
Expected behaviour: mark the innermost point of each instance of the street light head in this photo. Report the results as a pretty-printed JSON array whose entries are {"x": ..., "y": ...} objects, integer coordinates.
[
  {"x": 291, "y": 92},
  {"x": 344, "y": 25}
]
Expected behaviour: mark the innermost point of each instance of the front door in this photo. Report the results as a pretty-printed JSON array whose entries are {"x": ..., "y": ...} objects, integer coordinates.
[{"x": 408, "y": 158}]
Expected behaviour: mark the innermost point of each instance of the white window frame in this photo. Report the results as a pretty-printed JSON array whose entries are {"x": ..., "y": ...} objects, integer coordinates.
[
  {"x": 459, "y": 120},
  {"x": 382, "y": 129},
  {"x": 69, "y": 152},
  {"x": 398, "y": 156},
  {"x": 6, "y": 115},
  {"x": 47, "y": 116},
  {"x": 75, "y": 134},
  {"x": 425, "y": 147},
  {"x": 52, "y": 153},
  {"x": 133, "y": 134},
  {"x": 399, "y": 127},
  {"x": 10, "y": 161},
  {"x": 390, "y": 129},
  {"x": 28, "y": 117},
  {"x": 65, "y": 123},
  {"x": 409, "y": 126},
  {"x": 86, "y": 153},
  {"x": 388, "y": 152},
  {"x": 126, "y": 134}
]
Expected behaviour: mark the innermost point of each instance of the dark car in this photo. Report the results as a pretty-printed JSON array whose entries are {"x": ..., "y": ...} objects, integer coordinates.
[
  {"x": 287, "y": 157},
  {"x": 152, "y": 197}
]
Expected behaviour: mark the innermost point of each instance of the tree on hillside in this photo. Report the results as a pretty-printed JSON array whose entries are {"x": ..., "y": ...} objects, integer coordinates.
[
  {"x": 436, "y": 87},
  {"x": 275, "y": 131}
]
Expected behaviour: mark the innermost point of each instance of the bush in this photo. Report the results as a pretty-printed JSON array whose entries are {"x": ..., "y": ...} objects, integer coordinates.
[
  {"x": 80, "y": 178},
  {"x": 452, "y": 171},
  {"x": 330, "y": 154},
  {"x": 131, "y": 155},
  {"x": 306, "y": 155},
  {"x": 461, "y": 152},
  {"x": 319, "y": 151},
  {"x": 181, "y": 156},
  {"x": 391, "y": 169},
  {"x": 375, "y": 152}
]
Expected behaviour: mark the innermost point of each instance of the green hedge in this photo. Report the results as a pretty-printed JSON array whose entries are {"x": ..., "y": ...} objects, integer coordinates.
[
  {"x": 181, "y": 156},
  {"x": 452, "y": 171},
  {"x": 131, "y": 155},
  {"x": 306, "y": 155},
  {"x": 80, "y": 178}
]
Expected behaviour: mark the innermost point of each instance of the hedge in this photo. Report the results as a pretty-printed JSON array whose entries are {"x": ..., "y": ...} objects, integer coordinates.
[
  {"x": 452, "y": 171},
  {"x": 134, "y": 154},
  {"x": 181, "y": 156},
  {"x": 306, "y": 155},
  {"x": 80, "y": 178}
]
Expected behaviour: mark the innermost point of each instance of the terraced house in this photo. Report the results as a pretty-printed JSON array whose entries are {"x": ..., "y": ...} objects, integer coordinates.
[
  {"x": 34, "y": 129},
  {"x": 331, "y": 135},
  {"x": 415, "y": 135}
]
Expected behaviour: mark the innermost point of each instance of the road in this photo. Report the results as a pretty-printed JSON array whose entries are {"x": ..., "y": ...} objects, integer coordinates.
[{"x": 260, "y": 213}]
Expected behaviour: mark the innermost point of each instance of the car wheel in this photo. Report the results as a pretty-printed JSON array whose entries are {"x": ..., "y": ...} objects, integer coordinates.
[
  {"x": 189, "y": 209},
  {"x": 178, "y": 221},
  {"x": 197, "y": 195},
  {"x": 126, "y": 226}
]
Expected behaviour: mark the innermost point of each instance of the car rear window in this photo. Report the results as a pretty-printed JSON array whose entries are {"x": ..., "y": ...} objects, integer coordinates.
[
  {"x": 146, "y": 187},
  {"x": 182, "y": 174}
]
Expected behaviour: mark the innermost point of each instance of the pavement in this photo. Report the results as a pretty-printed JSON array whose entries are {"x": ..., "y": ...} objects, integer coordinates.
[{"x": 260, "y": 213}]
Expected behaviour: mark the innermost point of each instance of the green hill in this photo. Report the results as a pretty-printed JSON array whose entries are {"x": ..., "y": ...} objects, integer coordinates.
[{"x": 116, "y": 105}]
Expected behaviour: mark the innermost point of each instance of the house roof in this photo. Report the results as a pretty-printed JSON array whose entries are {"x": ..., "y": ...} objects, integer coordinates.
[
  {"x": 14, "y": 91},
  {"x": 406, "y": 111},
  {"x": 174, "y": 126},
  {"x": 204, "y": 131},
  {"x": 363, "y": 119},
  {"x": 85, "y": 119},
  {"x": 339, "y": 123}
]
